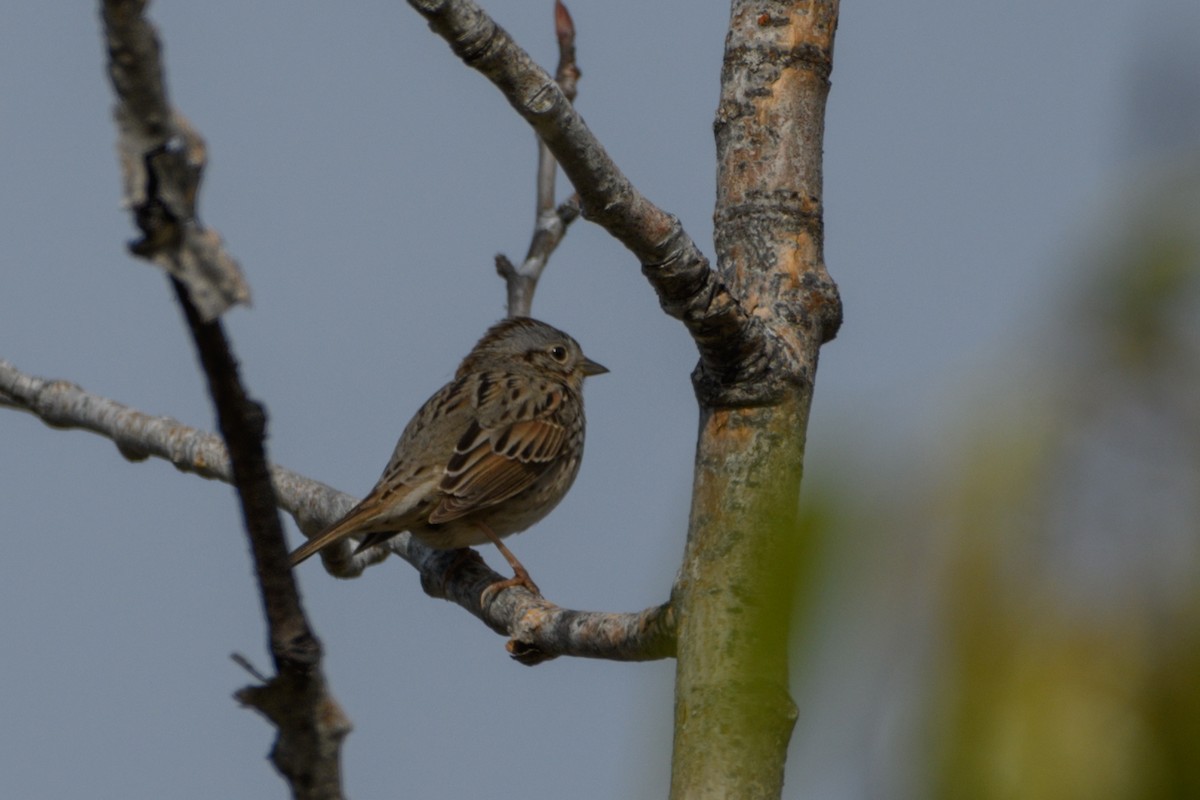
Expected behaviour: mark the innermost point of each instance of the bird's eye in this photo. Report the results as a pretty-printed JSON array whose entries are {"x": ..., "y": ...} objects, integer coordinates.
[{"x": 558, "y": 353}]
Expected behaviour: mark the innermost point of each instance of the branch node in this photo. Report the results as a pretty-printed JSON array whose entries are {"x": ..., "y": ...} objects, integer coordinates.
[{"x": 527, "y": 653}]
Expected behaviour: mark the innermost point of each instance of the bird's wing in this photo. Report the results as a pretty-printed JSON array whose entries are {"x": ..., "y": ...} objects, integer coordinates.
[{"x": 492, "y": 464}]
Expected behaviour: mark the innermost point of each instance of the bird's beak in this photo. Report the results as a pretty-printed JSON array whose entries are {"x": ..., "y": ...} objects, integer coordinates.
[{"x": 592, "y": 368}]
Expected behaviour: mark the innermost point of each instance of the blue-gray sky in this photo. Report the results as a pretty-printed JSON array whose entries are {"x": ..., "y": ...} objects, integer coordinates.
[{"x": 365, "y": 179}]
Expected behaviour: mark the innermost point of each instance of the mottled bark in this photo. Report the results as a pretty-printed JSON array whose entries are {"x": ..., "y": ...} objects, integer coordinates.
[{"x": 733, "y": 713}]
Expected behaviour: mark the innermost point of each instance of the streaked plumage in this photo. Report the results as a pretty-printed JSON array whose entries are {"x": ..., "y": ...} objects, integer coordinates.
[{"x": 494, "y": 450}]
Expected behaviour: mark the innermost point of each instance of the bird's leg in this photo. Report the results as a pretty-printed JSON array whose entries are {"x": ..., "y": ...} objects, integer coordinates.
[{"x": 520, "y": 574}]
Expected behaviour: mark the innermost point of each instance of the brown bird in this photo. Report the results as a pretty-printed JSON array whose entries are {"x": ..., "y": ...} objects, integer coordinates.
[{"x": 490, "y": 454}]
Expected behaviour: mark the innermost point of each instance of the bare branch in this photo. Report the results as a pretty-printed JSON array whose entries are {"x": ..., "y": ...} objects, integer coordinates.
[
  {"x": 162, "y": 158},
  {"x": 311, "y": 725},
  {"x": 537, "y": 629},
  {"x": 738, "y": 354},
  {"x": 550, "y": 224},
  {"x": 138, "y": 436}
]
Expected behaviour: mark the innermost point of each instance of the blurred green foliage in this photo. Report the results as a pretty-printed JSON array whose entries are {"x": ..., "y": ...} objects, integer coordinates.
[{"x": 1069, "y": 663}]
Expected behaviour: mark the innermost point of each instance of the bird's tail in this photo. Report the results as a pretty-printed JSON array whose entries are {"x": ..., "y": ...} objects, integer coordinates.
[{"x": 349, "y": 525}]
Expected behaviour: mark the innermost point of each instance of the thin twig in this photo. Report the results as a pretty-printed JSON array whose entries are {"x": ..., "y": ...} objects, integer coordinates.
[{"x": 550, "y": 223}]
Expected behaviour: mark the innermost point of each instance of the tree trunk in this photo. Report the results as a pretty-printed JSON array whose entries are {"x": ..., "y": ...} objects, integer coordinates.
[{"x": 733, "y": 713}]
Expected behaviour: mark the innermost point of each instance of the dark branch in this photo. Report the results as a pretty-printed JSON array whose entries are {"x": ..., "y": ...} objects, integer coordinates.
[
  {"x": 162, "y": 158},
  {"x": 310, "y": 722},
  {"x": 243, "y": 423}
]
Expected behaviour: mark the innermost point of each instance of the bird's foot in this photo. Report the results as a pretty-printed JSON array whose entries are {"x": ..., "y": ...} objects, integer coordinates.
[{"x": 521, "y": 578}]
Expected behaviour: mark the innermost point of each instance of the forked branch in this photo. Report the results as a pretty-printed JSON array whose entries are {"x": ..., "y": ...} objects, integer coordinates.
[
  {"x": 551, "y": 223},
  {"x": 740, "y": 358}
]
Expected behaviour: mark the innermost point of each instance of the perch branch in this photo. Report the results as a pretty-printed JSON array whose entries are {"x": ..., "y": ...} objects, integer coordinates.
[{"x": 538, "y": 630}]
